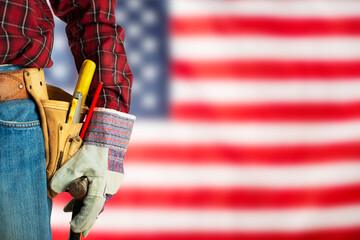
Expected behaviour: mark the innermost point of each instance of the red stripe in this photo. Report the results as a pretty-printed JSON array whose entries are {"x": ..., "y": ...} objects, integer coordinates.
[
  {"x": 238, "y": 154},
  {"x": 110, "y": 130},
  {"x": 225, "y": 25},
  {"x": 265, "y": 112},
  {"x": 229, "y": 198},
  {"x": 327, "y": 234},
  {"x": 219, "y": 70},
  {"x": 90, "y": 136},
  {"x": 108, "y": 119}
]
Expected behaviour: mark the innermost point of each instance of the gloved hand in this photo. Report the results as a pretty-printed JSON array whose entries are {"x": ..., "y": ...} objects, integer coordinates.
[{"x": 100, "y": 159}]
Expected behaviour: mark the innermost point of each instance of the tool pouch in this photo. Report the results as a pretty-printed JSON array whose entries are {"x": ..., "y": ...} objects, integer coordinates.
[{"x": 61, "y": 139}]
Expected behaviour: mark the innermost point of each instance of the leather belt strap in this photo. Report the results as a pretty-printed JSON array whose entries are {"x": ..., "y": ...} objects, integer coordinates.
[{"x": 12, "y": 85}]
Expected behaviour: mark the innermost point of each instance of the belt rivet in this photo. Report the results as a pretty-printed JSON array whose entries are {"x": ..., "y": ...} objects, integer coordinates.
[{"x": 21, "y": 86}]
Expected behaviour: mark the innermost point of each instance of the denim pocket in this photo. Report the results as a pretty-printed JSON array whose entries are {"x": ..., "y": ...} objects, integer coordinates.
[{"x": 20, "y": 113}]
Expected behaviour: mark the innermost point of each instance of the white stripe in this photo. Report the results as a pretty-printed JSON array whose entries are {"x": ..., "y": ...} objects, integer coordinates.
[
  {"x": 250, "y": 134},
  {"x": 219, "y": 48},
  {"x": 130, "y": 220},
  {"x": 225, "y": 91},
  {"x": 279, "y": 8},
  {"x": 117, "y": 113},
  {"x": 286, "y": 176},
  {"x": 25, "y": 15}
]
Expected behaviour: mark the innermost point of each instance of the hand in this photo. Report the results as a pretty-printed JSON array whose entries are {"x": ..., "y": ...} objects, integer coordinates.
[{"x": 100, "y": 159}]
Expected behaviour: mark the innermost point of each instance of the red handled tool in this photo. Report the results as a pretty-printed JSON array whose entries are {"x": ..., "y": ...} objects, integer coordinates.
[{"x": 91, "y": 110}]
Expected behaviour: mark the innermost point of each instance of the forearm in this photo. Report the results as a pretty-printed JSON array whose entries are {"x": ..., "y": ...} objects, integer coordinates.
[{"x": 93, "y": 34}]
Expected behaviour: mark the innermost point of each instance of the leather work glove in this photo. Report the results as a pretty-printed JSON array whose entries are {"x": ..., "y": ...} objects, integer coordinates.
[{"x": 100, "y": 159}]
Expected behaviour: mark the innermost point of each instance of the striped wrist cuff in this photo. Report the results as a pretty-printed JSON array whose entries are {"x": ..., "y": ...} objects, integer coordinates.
[{"x": 110, "y": 129}]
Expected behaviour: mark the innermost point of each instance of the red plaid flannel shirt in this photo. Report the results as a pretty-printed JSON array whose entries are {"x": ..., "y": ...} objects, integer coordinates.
[{"x": 26, "y": 39}]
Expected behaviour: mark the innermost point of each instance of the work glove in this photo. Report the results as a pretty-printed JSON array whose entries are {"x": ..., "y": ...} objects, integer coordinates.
[{"x": 100, "y": 159}]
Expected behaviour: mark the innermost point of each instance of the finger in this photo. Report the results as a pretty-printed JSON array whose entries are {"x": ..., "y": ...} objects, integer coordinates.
[
  {"x": 62, "y": 179},
  {"x": 88, "y": 213},
  {"x": 69, "y": 206},
  {"x": 86, "y": 232}
]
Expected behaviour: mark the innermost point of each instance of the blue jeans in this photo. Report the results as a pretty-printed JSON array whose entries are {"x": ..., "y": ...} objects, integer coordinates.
[{"x": 24, "y": 207}]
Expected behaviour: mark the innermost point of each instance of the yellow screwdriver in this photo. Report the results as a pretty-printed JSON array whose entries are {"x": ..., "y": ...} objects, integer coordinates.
[{"x": 81, "y": 90}]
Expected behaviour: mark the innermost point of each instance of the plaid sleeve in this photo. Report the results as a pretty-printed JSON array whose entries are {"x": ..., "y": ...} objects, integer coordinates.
[{"x": 93, "y": 34}]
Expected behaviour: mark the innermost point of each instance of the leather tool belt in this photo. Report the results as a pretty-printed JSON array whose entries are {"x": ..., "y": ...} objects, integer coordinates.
[
  {"x": 61, "y": 139},
  {"x": 12, "y": 86}
]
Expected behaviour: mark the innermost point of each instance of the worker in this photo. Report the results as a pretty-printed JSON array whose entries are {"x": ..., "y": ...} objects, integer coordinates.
[{"x": 26, "y": 41}]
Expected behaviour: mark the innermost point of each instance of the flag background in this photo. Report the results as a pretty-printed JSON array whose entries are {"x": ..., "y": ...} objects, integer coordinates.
[{"x": 248, "y": 121}]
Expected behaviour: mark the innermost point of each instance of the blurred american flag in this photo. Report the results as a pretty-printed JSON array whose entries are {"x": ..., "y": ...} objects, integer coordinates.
[{"x": 248, "y": 121}]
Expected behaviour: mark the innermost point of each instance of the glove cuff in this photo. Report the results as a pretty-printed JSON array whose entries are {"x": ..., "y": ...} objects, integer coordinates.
[{"x": 110, "y": 129}]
